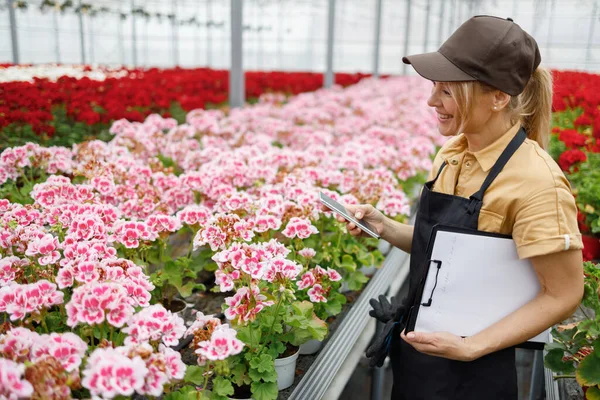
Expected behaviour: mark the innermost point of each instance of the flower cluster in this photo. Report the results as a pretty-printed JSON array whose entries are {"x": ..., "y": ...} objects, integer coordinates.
[
  {"x": 318, "y": 280},
  {"x": 19, "y": 300},
  {"x": 12, "y": 384},
  {"x": 155, "y": 324},
  {"x": 212, "y": 340},
  {"x": 96, "y": 302},
  {"x": 33, "y": 92},
  {"x": 131, "y": 369}
]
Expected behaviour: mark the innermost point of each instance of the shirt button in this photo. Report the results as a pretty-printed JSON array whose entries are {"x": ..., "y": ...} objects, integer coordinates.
[
  {"x": 453, "y": 162},
  {"x": 468, "y": 163}
]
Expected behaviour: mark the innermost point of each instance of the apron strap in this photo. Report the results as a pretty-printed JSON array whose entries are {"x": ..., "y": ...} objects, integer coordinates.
[
  {"x": 512, "y": 147},
  {"x": 439, "y": 171}
]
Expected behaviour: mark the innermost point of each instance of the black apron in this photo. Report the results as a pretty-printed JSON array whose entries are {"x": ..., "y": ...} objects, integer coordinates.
[{"x": 420, "y": 376}]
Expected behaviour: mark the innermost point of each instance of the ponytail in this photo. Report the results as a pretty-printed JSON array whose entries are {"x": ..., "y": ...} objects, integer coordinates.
[{"x": 533, "y": 107}]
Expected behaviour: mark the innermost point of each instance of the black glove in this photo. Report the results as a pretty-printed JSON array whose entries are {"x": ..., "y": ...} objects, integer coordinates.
[
  {"x": 391, "y": 314},
  {"x": 383, "y": 310}
]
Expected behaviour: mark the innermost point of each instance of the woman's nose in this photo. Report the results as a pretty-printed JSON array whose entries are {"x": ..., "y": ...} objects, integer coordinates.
[{"x": 433, "y": 100}]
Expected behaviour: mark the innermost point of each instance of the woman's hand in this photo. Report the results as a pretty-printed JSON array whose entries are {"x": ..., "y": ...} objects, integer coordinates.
[
  {"x": 441, "y": 344},
  {"x": 364, "y": 212}
]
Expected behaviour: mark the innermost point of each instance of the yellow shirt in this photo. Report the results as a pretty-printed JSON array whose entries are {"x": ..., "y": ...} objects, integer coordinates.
[{"x": 530, "y": 199}]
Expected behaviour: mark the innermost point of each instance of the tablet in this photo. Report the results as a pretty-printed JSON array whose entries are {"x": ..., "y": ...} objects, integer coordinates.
[{"x": 338, "y": 208}]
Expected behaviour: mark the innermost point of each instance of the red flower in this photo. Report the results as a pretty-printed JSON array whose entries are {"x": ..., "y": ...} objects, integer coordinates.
[
  {"x": 591, "y": 248},
  {"x": 570, "y": 157},
  {"x": 572, "y": 138},
  {"x": 583, "y": 120}
]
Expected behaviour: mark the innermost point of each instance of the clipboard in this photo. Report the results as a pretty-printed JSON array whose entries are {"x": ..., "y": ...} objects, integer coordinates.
[{"x": 472, "y": 279}]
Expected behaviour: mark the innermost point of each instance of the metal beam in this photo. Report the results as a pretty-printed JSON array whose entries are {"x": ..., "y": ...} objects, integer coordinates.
[
  {"x": 588, "y": 52},
  {"x": 81, "y": 35},
  {"x": 330, "y": 39},
  {"x": 280, "y": 34},
  {"x": 120, "y": 38},
  {"x": 91, "y": 31},
  {"x": 174, "y": 43},
  {"x": 56, "y": 35},
  {"x": 441, "y": 26},
  {"x": 13, "y": 31},
  {"x": 209, "y": 26},
  {"x": 406, "y": 33},
  {"x": 133, "y": 36},
  {"x": 378, "y": 7},
  {"x": 236, "y": 72},
  {"x": 426, "y": 38}
]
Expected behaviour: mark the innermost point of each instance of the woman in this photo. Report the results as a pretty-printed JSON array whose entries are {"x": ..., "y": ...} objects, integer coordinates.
[{"x": 493, "y": 175}]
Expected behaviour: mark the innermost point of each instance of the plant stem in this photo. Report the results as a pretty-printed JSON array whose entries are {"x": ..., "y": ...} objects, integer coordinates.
[
  {"x": 112, "y": 330},
  {"x": 564, "y": 376},
  {"x": 44, "y": 323},
  {"x": 205, "y": 379},
  {"x": 279, "y": 301},
  {"x": 92, "y": 338},
  {"x": 583, "y": 311}
]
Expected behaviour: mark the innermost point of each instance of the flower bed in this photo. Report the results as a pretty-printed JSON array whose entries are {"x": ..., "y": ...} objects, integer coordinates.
[
  {"x": 100, "y": 242},
  {"x": 61, "y": 105},
  {"x": 575, "y": 145}
]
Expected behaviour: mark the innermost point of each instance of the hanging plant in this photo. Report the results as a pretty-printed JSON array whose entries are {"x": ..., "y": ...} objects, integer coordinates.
[
  {"x": 46, "y": 4},
  {"x": 65, "y": 5},
  {"x": 20, "y": 4}
]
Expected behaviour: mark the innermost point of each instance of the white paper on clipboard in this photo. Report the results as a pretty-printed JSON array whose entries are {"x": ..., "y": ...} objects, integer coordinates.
[{"x": 480, "y": 281}]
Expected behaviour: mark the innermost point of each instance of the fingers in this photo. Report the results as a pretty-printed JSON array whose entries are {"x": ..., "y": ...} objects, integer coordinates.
[
  {"x": 376, "y": 306},
  {"x": 384, "y": 302}
]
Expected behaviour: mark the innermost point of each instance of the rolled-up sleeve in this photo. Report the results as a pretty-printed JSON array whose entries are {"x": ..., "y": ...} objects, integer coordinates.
[{"x": 546, "y": 223}]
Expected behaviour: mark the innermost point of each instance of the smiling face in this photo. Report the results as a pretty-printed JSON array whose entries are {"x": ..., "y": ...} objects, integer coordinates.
[{"x": 461, "y": 106}]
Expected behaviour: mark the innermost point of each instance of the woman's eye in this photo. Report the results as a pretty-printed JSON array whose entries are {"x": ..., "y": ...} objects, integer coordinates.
[{"x": 447, "y": 93}]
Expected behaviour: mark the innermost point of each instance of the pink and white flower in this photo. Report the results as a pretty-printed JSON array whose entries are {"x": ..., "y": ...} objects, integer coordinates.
[
  {"x": 279, "y": 268},
  {"x": 223, "y": 343},
  {"x": 246, "y": 304},
  {"x": 67, "y": 348},
  {"x": 110, "y": 373},
  {"x": 317, "y": 294},
  {"x": 19, "y": 300},
  {"x": 307, "y": 252},
  {"x": 299, "y": 227},
  {"x": 46, "y": 247},
  {"x": 96, "y": 302},
  {"x": 12, "y": 383},
  {"x": 308, "y": 280},
  {"x": 153, "y": 324}
]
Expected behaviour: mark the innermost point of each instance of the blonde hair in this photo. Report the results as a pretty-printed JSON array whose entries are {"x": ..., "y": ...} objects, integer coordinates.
[{"x": 532, "y": 108}]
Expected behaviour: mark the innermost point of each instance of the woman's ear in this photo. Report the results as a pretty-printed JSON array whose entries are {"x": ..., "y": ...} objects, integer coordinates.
[{"x": 500, "y": 100}]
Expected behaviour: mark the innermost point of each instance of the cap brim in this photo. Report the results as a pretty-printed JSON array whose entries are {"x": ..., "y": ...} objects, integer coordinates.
[{"x": 435, "y": 67}]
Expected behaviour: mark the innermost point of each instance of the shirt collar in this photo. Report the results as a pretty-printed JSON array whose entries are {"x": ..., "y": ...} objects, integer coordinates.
[{"x": 487, "y": 156}]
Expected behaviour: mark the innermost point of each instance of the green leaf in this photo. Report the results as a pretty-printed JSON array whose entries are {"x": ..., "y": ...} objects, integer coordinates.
[
  {"x": 554, "y": 361},
  {"x": 588, "y": 371},
  {"x": 356, "y": 279},
  {"x": 239, "y": 375},
  {"x": 222, "y": 386},
  {"x": 593, "y": 393},
  {"x": 185, "y": 393},
  {"x": 250, "y": 336},
  {"x": 275, "y": 349},
  {"x": 366, "y": 258},
  {"x": 270, "y": 376},
  {"x": 264, "y": 390},
  {"x": 262, "y": 363},
  {"x": 193, "y": 374},
  {"x": 348, "y": 263}
]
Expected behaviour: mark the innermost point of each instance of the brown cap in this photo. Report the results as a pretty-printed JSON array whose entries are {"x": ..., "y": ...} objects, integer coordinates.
[{"x": 492, "y": 50}]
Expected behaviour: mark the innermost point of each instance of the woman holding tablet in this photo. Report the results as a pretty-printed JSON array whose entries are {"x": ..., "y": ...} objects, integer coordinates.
[{"x": 494, "y": 101}]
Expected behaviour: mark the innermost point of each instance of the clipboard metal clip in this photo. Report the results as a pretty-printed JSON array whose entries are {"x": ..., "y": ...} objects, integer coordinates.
[{"x": 439, "y": 265}]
